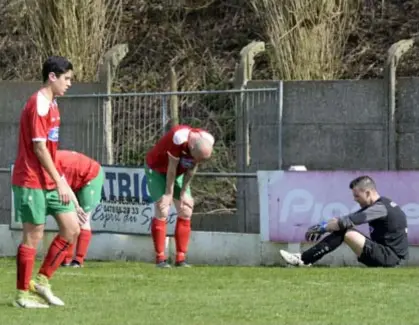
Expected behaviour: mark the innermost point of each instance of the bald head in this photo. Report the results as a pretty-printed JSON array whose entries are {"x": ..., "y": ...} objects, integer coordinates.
[{"x": 201, "y": 145}]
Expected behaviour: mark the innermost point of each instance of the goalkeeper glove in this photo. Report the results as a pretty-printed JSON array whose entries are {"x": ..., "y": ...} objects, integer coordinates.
[{"x": 315, "y": 232}]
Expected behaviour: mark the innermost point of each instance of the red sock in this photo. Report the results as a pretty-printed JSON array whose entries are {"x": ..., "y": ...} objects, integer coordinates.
[
  {"x": 55, "y": 256},
  {"x": 182, "y": 234},
  {"x": 25, "y": 260},
  {"x": 158, "y": 232},
  {"x": 83, "y": 244},
  {"x": 69, "y": 256}
]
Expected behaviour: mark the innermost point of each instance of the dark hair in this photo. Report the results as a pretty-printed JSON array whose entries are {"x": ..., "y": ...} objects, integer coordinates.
[
  {"x": 57, "y": 64},
  {"x": 363, "y": 183}
]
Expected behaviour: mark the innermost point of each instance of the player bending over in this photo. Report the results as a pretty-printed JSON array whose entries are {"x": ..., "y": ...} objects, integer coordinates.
[
  {"x": 170, "y": 166},
  {"x": 85, "y": 177},
  {"x": 38, "y": 188},
  {"x": 388, "y": 246}
]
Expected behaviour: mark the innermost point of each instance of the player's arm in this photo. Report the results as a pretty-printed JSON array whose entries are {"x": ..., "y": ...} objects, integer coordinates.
[
  {"x": 39, "y": 134},
  {"x": 188, "y": 177},
  {"x": 80, "y": 212},
  {"x": 375, "y": 211},
  {"x": 38, "y": 116},
  {"x": 41, "y": 151},
  {"x": 73, "y": 197},
  {"x": 171, "y": 173}
]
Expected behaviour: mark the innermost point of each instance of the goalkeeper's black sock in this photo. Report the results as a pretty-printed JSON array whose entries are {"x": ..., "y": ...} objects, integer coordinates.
[{"x": 325, "y": 246}]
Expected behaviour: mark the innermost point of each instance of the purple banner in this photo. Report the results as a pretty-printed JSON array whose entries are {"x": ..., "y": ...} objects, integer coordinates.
[{"x": 293, "y": 201}]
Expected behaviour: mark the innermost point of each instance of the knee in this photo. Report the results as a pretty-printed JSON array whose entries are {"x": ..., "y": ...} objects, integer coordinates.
[
  {"x": 71, "y": 233},
  {"x": 355, "y": 241},
  {"x": 350, "y": 235},
  {"x": 32, "y": 238},
  {"x": 186, "y": 211},
  {"x": 161, "y": 210},
  {"x": 86, "y": 225}
]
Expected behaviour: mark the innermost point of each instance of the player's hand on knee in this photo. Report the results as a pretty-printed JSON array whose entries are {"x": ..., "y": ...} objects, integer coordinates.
[
  {"x": 314, "y": 233},
  {"x": 81, "y": 215},
  {"x": 164, "y": 203}
]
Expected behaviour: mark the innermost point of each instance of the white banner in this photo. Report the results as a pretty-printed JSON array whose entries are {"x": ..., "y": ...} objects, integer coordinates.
[{"x": 125, "y": 207}]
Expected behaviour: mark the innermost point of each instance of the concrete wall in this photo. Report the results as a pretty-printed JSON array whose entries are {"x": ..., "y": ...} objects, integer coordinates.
[
  {"x": 335, "y": 124},
  {"x": 407, "y": 117},
  {"x": 206, "y": 248}
]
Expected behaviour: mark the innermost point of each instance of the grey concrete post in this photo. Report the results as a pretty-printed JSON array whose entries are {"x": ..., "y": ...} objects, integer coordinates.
[
  {"x": 394, "y": 53},
  {"x": 107, "y": 70},
  {"x": 242, "y": 75}
]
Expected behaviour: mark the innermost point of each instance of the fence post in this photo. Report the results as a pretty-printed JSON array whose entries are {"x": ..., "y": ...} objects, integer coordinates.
[
  {"x": 174, "y": 111},
  {"x": 242, "y": 75},
  {"x": 107, "y": 70},
  {"x": 394, "y": 53},
  {"x": 165, "y": 125}
]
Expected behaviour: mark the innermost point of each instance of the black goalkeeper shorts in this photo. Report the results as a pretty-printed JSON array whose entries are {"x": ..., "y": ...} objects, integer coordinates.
[{"x": 377, "y": 255}]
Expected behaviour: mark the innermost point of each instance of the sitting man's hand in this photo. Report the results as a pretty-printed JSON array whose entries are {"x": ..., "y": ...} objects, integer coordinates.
[{"x": 315, "y": 232}]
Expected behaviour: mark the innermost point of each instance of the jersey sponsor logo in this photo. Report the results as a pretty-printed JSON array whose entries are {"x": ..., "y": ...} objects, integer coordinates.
[
  {"x": 54, "y": 134},
  {"x": 187, "y": 162}
]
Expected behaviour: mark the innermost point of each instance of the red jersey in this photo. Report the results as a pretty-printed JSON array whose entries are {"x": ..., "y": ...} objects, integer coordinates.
[
  {"x": 174, "y": 142},
  {"x": 77, "y": 168},
  {"x": 39, "y": 121}
]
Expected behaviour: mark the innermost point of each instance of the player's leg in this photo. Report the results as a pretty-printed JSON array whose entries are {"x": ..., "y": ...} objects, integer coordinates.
[
  {"x": 156, "y": 184},
  {"x": 327, "y": 245},
  {"x": 30, "y": 210},
  {"x": 69, "y": 255},
  {"x": 183, "y": 224},
  {"x": 67, "y": 221},
  {"x": 370, "y": 253},
  {"x": 89, "y": 197}
]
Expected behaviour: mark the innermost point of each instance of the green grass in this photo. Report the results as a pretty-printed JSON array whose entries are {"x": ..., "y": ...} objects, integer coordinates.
[{"x": 121, "y": 293}]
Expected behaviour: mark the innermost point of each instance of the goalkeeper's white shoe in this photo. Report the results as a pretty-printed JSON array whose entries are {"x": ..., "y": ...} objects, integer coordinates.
[{"x": 293, "y": 259}]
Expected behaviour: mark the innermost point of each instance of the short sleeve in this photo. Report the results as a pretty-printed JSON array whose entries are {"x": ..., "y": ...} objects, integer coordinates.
[
  {"x": 38, "y": 116},
  {"x": 179, "y": 138}
]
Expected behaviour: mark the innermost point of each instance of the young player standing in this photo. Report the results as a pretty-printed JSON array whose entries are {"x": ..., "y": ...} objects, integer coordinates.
[
  {"x": 170, "y": 166},
  {"x": 39, "y": 189},
  {"x": 85, "y": 177}
]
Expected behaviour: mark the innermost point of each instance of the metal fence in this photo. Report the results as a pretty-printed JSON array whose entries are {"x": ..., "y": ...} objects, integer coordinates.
[
  {"x": 120, "y": 128},
  {"x": 132, "y": 122}
]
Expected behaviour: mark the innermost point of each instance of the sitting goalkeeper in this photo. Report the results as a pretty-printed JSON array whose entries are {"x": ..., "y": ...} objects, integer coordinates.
[{"x": 388, "y": 246}]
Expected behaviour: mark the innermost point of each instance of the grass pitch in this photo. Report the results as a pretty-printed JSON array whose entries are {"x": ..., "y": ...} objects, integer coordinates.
[{"x": 123, "y": 293}]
